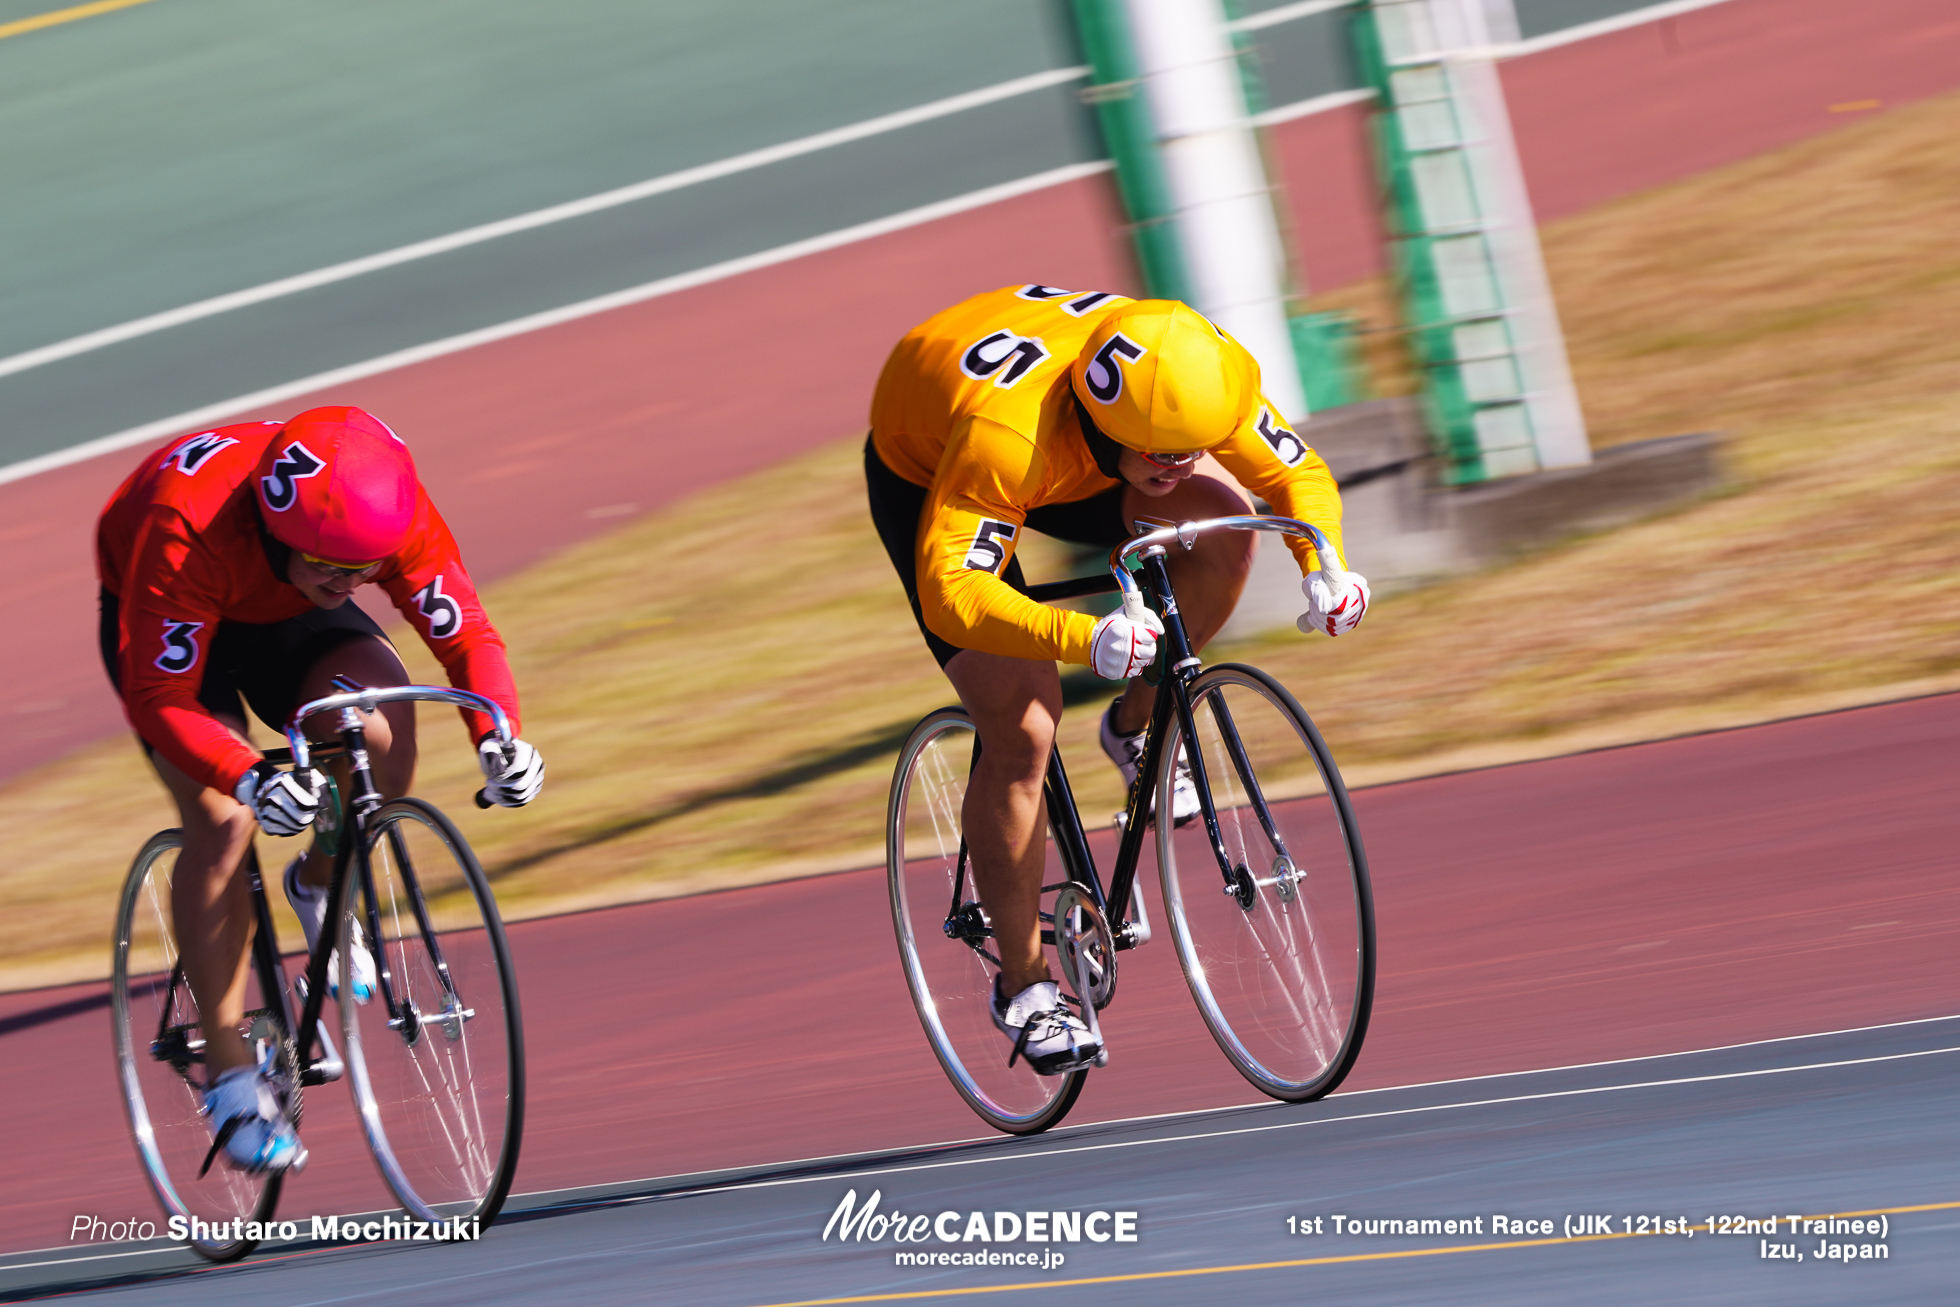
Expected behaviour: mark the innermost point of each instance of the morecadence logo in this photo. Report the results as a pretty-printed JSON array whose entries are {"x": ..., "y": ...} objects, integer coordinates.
[{"x": 1007, "y": 1238}]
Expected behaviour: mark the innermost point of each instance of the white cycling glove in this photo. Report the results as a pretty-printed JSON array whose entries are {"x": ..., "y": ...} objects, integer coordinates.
[
  {"x": 1124, "y": 643},
  {"x": 513, "y": 779},
  {"x": 1334, "y": 612},
  {"x": 285, "y": 803}
]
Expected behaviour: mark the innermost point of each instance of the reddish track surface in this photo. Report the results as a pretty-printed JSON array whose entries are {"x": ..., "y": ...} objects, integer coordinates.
[
  {"x": 1616, "y": 114},
  {"x": 648, "y": 403},
  {"x": 1791, "y": 878}
]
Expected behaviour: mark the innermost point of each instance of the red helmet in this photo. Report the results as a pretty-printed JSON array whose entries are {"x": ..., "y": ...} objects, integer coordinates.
[{"x": 338, "y": 484}]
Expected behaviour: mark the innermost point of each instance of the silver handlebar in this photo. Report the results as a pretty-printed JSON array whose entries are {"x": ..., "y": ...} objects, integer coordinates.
[
  {"x": 366, "y": 699},
  {"x": 1186, "y": 535}
]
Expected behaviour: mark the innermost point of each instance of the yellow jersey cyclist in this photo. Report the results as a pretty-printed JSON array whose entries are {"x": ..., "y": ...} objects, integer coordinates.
[{"x": 1070, "y": 413}]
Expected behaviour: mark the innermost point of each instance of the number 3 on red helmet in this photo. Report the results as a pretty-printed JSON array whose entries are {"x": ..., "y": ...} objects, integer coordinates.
[{"x": 337, "y": 484}]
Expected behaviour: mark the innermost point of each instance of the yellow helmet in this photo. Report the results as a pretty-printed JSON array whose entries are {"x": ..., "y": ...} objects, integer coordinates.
[{"x": 1157, "y": 376}]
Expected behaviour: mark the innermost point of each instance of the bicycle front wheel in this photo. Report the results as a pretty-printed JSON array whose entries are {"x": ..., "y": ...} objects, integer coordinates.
[
  {"x": 160, "y": 1063},
  {"x": 1274, "y": 924},
  {"x": 436, "y": 1057},
  {"x": 944, "y": 941}
]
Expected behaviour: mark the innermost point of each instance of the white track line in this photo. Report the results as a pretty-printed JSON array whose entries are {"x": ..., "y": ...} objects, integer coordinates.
[
  {"x": 1267, "y": 1103},
  {"x": 1206, "y": 1111},
  {"x": 745, "y": 162},
  {"x": 538, "y": 321},
  {"x": 1286, "y": 14},
  {"x": 1286, "y": 113},
  {"x": 91, "y": 1257},
  {"x": 655, "y": 186},
  {"x": 545, "y": 217},
  {"x": 1654, "y": 1057},
  {"x": 1044, "y": 1153},
  {"x": 1508, "y": 50}
]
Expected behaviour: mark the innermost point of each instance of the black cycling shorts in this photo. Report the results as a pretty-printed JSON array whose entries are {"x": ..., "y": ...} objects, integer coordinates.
[
  {"x": 896, "y": 504},
  {"x": 262, "y": 663}
]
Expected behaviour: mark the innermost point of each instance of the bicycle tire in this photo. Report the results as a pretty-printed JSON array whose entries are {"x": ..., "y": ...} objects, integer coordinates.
[
  {"x": 160, "y": 1061},
  {"x": 1281, "y": 957},
  {"x": 951, "y": 980},
  {"x": 437, "y": 1071}
]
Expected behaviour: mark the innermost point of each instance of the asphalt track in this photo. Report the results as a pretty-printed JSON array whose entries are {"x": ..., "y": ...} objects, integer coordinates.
[
  {"x": 1763, "y": 884},
  {"x": 1837, "y": 1123},
  {"x": 631, "y": 409}
]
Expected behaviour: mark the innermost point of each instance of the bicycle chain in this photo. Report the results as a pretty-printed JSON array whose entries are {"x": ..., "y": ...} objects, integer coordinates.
[{"x": 296, "y": 1097}]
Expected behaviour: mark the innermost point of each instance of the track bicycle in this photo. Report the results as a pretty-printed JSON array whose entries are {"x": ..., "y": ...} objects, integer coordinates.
[
  {"x": 435, "y": 1058},
  {"x": 1267, "y": 896}
]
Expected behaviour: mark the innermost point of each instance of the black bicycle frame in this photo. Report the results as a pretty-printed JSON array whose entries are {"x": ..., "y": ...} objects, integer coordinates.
[
  {"x": 357, "y": 809},
  {"x": 1070, "y": 841},
  {"x": 1181, "y": 666},
  {"x": 172, "y": 1043},
  {"x": 272, "y": 976}
]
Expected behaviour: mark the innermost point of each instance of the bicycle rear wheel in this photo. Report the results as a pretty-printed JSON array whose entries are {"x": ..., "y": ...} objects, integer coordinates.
[
  {"x": 944, "y": 941},
  {"x": 436, "y": 1058},
  {"x": 1277, "y": 944},
  {"x": 160, "y": 1062}
]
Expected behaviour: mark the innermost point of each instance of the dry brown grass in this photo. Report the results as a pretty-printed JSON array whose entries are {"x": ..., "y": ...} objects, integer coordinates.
[{"x": 720, "y": 703}]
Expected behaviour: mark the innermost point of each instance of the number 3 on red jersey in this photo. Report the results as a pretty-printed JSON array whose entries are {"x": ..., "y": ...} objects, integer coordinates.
[
  {"x": 179, "y": 646},
  {"x": 443, "y": 614}
]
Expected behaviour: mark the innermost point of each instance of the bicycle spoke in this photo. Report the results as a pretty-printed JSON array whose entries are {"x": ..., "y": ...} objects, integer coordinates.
[
  {"x": 437, "y": 1066},
  {"x": 1281, "y": 957},
  {"x": 948, "y": 970},
  {"x": 159, "y": 1054}
]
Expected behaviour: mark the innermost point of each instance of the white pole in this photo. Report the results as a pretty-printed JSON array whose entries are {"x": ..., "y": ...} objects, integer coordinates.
[{"x": 1217, "y": 180}]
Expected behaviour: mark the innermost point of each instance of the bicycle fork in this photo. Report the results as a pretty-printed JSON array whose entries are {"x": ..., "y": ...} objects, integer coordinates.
[{"x": 1184, "y": 666}]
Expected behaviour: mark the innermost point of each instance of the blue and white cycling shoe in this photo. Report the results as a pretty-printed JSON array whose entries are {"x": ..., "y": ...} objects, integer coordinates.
[
  {"x": 248, "y": 1127},
  {"x": 310, "y": 906}
]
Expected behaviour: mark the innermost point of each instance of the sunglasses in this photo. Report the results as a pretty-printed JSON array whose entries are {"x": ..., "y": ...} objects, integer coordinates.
[
  {"x": 1172, "y": 461},
  {"x": 338, "y": 569}
]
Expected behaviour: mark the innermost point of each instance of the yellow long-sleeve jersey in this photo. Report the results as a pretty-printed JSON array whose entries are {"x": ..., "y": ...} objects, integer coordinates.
[{"x": 975, "y": 405}]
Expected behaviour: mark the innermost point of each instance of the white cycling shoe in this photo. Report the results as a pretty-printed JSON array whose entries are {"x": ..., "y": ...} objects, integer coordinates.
[
  {"x": 1126, "y": 751},
  {"x": 1052, "y": 1038},
  {"x": 248, "y": 1127},
  {"x": 310, "y": 906}
]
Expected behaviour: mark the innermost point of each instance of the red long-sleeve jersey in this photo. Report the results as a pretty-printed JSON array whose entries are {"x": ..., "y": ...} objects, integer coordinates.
[{"x": 181, "y": 546}]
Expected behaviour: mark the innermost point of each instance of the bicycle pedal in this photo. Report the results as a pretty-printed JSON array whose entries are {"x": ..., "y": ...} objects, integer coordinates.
[{"x": 327, "y": 1065}]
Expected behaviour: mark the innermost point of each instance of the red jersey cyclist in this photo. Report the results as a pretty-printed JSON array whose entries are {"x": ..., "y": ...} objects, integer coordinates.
[
  {"x": 1071, "y": 413},
  {"x": 227, "y": 561}
]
